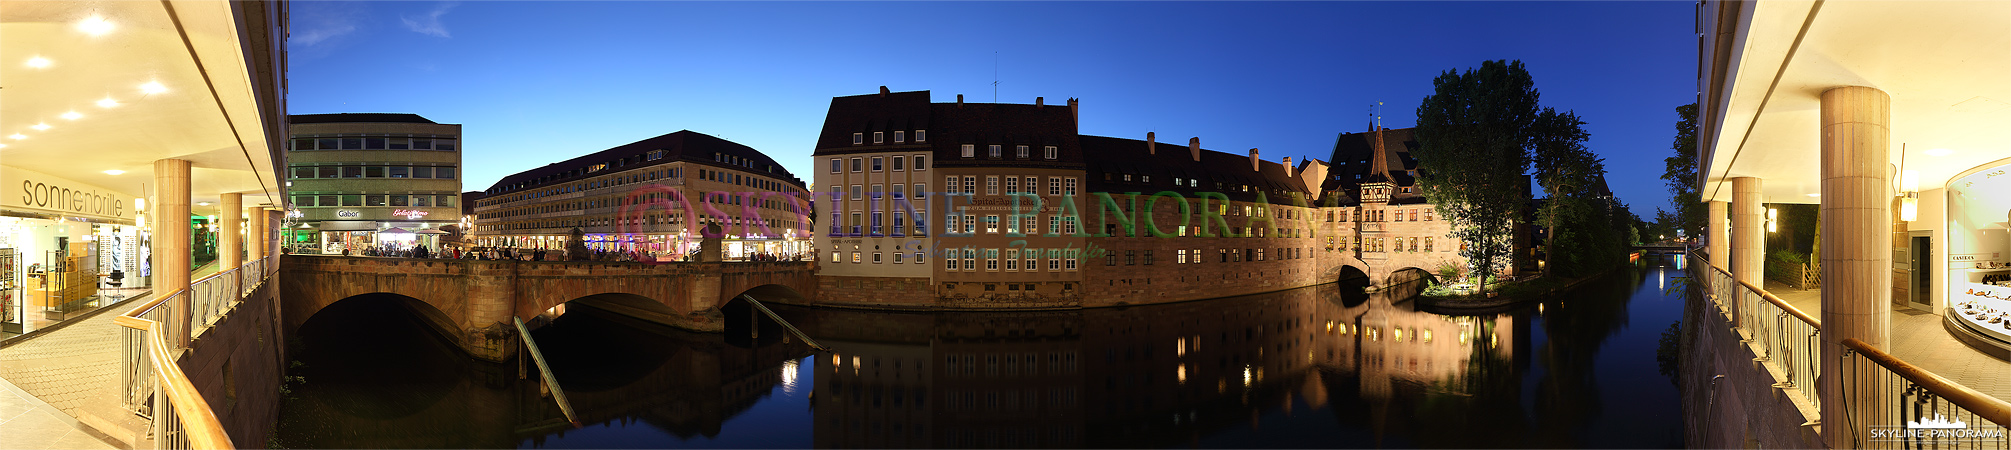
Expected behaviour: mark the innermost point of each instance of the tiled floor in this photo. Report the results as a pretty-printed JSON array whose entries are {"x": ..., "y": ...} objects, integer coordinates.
[
  {"x": 27, "y": 423},
  {"x": 1918, "y": 338}
]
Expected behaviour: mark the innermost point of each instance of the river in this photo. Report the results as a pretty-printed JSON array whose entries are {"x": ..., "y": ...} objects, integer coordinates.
[{"x": 1306, "y": 368}]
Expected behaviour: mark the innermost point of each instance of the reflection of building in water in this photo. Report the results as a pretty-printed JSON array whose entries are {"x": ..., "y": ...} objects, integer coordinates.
[{"x": 1133, "y": 377}]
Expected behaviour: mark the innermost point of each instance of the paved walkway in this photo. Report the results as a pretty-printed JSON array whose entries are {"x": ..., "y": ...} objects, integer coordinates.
[
  {"x": 49, "y": 377},
  {"x": 1918, "y": 338}
]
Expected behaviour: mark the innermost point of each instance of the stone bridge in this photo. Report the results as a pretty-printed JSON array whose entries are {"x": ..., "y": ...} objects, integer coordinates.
[{"x": 471, "y": 302}]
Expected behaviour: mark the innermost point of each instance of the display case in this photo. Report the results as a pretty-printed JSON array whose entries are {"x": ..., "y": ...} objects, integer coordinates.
[{"x": 10, "y": 302}]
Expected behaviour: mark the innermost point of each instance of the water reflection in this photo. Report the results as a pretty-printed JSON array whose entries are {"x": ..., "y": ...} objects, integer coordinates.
[{"x": 1303, "y": 368}]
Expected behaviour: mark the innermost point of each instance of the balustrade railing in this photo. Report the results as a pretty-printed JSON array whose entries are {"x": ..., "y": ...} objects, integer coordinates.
[
  {"x": 1909, "y": 407},
  {"x": 153, "y": 386},
  {"x": 1892, "y": 404},
  {"x": 1781, "y": 335}
]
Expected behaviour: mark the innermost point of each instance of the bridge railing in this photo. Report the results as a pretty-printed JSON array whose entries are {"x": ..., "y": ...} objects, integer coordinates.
[{"x": 153, "y": 386}]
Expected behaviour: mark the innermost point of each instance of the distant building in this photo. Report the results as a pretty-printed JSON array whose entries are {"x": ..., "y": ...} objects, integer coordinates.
[
  {"x": 361, "y": 180},
  {"x": 1383, "y": 218},
  {"x": 979, "y": 205},
  {"x": 650, "y": 197}
]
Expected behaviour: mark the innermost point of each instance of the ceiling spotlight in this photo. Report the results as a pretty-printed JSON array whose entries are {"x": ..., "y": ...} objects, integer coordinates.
[
  {"x": 40, "y": 126},
  {"x": 114, "y": 172},
  {"x": 18, "y": 136},
  {"x": 153, "y": 87},
  {"x": 3, "y": 145},
  {"x": 38, "y": 62},
  {"x": 1815, "y": 195},
  {"x": 107, "y": 103},
  {"x": 202, "y": 203},
  {"x": 94, "y": 26},
  {"x": 72, "y": 115},
  {"x": 1939, "y": 152}
]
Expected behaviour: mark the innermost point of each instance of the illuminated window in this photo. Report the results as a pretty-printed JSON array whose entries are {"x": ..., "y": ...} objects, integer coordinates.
[{"x": 969, "y": 150}]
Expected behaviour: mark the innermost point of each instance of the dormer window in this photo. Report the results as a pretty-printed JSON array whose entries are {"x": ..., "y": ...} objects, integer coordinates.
[
  {"x": 900, "y": 136},
  {"x": 969, "y": 150},
  {"x": 1053, "y": 152},
  {"x": 858, "y": 138},
  {"x": 879, "y": 137},
  {"x": 1021, "y": 151},
  {"x": 921, "y": 135},
  {"x": 994, "y": 150}
]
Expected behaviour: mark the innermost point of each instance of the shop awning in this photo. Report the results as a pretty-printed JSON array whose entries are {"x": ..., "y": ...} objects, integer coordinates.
[
  {"x": 428, "y": 231},
  {"x": 393, "y": 230}
]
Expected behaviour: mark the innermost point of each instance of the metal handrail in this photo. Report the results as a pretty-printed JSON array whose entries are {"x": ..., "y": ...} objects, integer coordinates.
[
  {"x": 184, "y": 419},
  {"x": 1984, "y": 406},
  {"x": 545, "y": 370},
  {"x": 785, "y": 324}
]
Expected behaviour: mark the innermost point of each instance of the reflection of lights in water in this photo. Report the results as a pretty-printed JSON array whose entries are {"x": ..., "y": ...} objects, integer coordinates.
[
  {"x": 1246, "y": 376},
  {"x": 789, "y": 376},
  {"x": 1462, "y": 337},
  {"x": 1180, "y": 373},
  {"x": 1180, "y": 346},
  {"x": 1492, "y": 340},
  {"x": 1539, "y": 308},
  {"x": 1425, "y": 335},
  {"x": 855, "y": 365},
  {"x": 837, "y": 359},
  {"x": 1399, "y": 333}
]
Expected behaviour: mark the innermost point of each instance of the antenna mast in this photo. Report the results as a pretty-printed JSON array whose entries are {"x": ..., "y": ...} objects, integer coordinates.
[{"x": 995, "y": 77}]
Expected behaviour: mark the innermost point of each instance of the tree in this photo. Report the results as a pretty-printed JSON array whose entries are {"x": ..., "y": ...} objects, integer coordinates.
[
  {"x": 1680, "y": 173},
  {"x": 1473, "y": 136},
  {"x": 1573, "y": 211}
]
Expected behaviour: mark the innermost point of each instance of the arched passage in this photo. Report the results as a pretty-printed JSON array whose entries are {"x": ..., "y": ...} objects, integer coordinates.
[
  {"x": 1353, "y": 284},
  {"x": 351, "y": 346}
]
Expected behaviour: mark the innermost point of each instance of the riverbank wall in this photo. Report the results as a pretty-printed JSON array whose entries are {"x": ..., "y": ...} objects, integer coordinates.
[{"x": 1729, "y": 399}]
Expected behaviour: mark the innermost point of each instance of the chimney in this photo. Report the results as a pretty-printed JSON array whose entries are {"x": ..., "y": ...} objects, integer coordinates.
[
  {"x": 960, "y": 100},
  {"x": 1151, "y": 146},
  {"x": 1074, "y": 113},
  {"x": 883, "y": 92},
  {"x": 1039, "y": 101},
  {"x": 1288, "y": 166},
  {"x": 1254, "y": 160},
  {"x": 1194, "y": 148}
]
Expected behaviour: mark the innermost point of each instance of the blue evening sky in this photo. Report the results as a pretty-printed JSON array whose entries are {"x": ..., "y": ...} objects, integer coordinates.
[{"x": 538, "y": 82}]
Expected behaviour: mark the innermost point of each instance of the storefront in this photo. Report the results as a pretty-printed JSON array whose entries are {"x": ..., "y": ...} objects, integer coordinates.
[
  {"x": 66, "y": 248},
  {"x": 1979, "y": 257}
]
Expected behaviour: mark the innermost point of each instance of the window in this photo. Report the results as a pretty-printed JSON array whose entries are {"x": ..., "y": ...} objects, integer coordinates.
[
  {"x": 991, "y": 185},
  {"x": 422, "y": 172},
  {"x": 897, "y": 257},
  {"x": 1054, "y": 224},
  {"x": 373, "y": 171},
  {"x": 1012, "y": 259},
  {"x": 1180, "y": 256},
  {"x": 401, "y": 172},
  {"x": 918, "y": 163},
  {"x": 1130, "y": 257},
  {"x": 836, "y": 166},
  {"x": 1053, "y": 185},
  {"x": 1032, "y": 223},
  {"x": 857, "y": 192},
  {"x": 303, "y": 172},
  {"x": 970, "y": 258},
  {"x": 1012, "y": 185},
  {"x": 857, "y": 164},
  {"x": 1052, "y": 152},
  {"x": 351, "y": 144},
  {"x": 837, "y": 257},
  {"x": 858, "y": 138},
  {"x": 993, "y": 150},
  {"x": 373, "y": 200},
  {"x": 921, "y": 190},
  {"x": 1148, "y": 257},
  {"x": 879, "y": 137},
  {"x": 1071, "y": 255},
  {"x": 971, "y": 185},
  {"x": 897, "y": 162},
  {"x": 373, "y": 143},
  {"x": 969, "y": 150},
  {"x": 443, "y": 144},
  {"x": 400, "y": 200},
  {"x": 1020, "y": 151},
  {"x": 325, "y": 200},
  {"x": 1053, "y": 259},
  {"x": 992, "y": 223},
  {"x": 876, "y": 164},
  {"x": 900, "y": 136},
  {"x": 876, "y": 257},
  {"x": 1069, "y": 188},
  {"x": 443, "y": 172},
  {"x": 970, "y": 224},
  {"x": 855, "y": 257},
  {"x": 1427, "y": 243},
  {"x": 949, "y": 263},
  {"x": 921, "y": 135},
  {"x": 352, "y": 200}
]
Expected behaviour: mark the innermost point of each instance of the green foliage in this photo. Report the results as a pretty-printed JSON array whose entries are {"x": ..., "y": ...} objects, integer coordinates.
[
  {"x": 1473, "y": 134},
  {"x": 1583, "y": 239},
  {"x": 1449, "y": 273},
  {"x": 1680, "y": 173}
]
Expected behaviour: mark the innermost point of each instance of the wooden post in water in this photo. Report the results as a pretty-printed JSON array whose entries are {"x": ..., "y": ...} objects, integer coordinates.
[{"x": 551, "y": 383}]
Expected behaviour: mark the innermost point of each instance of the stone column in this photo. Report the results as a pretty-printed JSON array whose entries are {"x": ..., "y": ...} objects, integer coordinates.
[
  {"x": 255, "y": 233},
  {"x": 1749, "y": 244},
  {"x": 171, "y": 241},
  {"x": 1856, "y": 248},
  {"x": 1718, "y": 238},
  {"x": 229, "y": 243}
]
